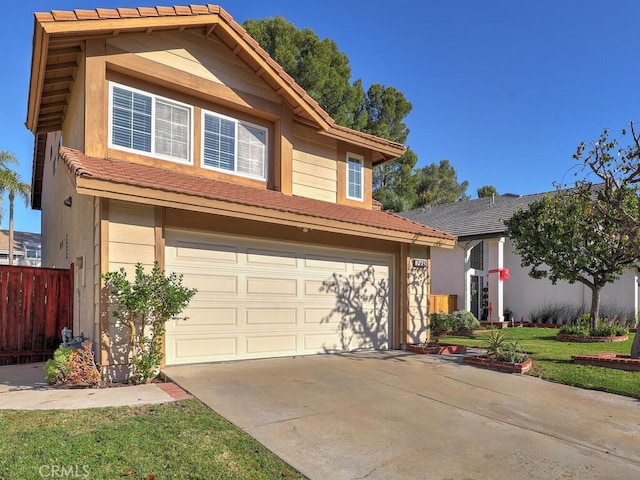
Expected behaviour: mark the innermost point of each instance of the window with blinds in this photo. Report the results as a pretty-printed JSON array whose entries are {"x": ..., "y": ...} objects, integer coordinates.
[
  {"x": 234, "y": 146},
  {"x": 354, "y": 177},
  {"x": 142, "y": 122}
]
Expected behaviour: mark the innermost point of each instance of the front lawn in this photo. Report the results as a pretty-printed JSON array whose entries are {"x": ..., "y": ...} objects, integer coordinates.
[
  {"x": 552, "y": 359},
  {"x": 177, "y": 440}
]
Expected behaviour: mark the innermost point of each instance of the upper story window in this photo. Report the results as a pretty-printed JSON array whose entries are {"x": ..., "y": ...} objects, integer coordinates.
[
  {"x": 234, "y": 146},
  {"x": 142, "y": 122},
  {"x": 355, "y": 177}
]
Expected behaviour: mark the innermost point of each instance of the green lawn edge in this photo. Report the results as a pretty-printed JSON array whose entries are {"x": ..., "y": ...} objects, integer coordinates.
[
  {"x": 552, "y": 359},
  {"x": 177, "y": 440}
]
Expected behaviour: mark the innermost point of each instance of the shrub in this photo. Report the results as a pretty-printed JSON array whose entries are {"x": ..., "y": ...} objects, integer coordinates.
[
  {"x": 605, "y": 328},
  {"x": 575, "y": 330},
  {"x": 58, "y": 367},
  {"x": 144, "y": 306},
  {"x": 495, "y": 342},
  {"x": 609, "y": 329},
  {"x": 562, "y": 314},
  {"x": 616, "y": 313},
  {"x": 500, "y": 347},
  {"x": 458, "y": 321},
  {"x": 440, "y": 323},
  {"x": 464, "y": 320},
  {"x": 73, "y": 367}
]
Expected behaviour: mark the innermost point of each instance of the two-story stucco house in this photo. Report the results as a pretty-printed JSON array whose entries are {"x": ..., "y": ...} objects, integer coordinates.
[{"x": 168, "y": 134}]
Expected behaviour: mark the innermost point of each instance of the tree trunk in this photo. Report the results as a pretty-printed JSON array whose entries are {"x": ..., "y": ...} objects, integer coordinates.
[
  {"x": 595, "y": 306},
  {"x": 635, "y": 348}
]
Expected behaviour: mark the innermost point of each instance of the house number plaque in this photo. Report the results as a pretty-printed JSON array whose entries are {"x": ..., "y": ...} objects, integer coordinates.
[{"x": 420, "y": 262}]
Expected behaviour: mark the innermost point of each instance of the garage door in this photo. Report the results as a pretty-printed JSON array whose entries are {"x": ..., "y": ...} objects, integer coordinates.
[{"x": 259, "y": 299}]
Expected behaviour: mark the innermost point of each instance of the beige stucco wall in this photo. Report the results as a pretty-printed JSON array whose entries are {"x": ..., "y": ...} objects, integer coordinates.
[
  {"x": 418, "y": 294},
  {"x": 131, "y": 234},
  {"x": 68, "y": 235},
  {"x": 314, "y": 169},
  {"x": 73, "y": 127}
]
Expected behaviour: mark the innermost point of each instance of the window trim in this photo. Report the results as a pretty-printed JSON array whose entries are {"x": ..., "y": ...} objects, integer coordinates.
[
  {"x": 236, "y": 122},
  {"x": 352, "y": 157},
  {"x": 154, "y": 98}
]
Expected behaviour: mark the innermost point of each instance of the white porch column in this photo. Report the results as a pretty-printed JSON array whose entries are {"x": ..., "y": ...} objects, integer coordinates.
[
  {"x": 496, "y": 261},
  {"x": 467, "y": 274}
]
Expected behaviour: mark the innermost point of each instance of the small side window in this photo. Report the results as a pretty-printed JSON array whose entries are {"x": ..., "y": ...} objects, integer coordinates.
[{"x": 355, "y": 177}]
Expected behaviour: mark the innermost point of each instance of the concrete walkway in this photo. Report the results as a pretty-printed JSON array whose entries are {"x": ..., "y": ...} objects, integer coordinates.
[
  {"x": 395, "y": 415},
  {"x": 22, "y": 387}
]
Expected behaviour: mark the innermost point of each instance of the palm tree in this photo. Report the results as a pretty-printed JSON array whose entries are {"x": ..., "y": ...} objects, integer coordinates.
[
  {"x": 11, "y": 182},
  {"x": 6, "y": 158}
]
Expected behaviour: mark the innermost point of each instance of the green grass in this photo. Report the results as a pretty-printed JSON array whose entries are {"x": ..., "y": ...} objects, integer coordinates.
[
  {"x": 552, "y": 360},
  {"x": 177, "y": 440}
]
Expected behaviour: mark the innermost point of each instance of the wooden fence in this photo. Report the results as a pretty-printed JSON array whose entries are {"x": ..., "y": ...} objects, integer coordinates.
[
  {"x": 442, "y": 302},
  {"x": 36, "y": 304}
]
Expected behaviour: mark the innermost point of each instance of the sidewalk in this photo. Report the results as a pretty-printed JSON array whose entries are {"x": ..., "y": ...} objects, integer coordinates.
[{"x": 22, "y": 387}]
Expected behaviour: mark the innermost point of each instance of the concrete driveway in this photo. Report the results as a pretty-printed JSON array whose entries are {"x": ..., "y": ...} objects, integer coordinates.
[{"x": 396, "y": 415}]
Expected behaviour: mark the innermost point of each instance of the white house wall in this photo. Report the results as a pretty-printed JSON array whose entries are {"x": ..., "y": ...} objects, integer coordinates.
[
  {"x": 523, "y": 294},
  {"x": 447, "y": 272}
]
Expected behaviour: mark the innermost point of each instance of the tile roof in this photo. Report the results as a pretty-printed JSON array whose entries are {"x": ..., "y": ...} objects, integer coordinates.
[
  {"x": 209, "y": 9},
  {"x": 155, "y": 178},
  {"x": 472, "y": 218}
]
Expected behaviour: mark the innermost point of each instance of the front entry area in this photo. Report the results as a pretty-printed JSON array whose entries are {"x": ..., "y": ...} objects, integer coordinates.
[{"x": 259, "y": 298}]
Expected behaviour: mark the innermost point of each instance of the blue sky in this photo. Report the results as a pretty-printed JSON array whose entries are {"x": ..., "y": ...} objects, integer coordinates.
[{"x": 505, "y": 90}]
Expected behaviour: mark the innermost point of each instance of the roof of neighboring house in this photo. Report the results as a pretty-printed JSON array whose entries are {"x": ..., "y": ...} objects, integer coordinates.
[
  {"x": 111, "y": 178},
  {"x": 19, "y": 238},
  {"x": 57, "y": 34},
  {"x": 470, "y": 219}
]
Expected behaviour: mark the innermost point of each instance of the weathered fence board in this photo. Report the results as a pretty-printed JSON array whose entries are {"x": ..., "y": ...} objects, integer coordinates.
[
  {"x": 439, "y": 302},
  {"x": 36, "y": 304}
]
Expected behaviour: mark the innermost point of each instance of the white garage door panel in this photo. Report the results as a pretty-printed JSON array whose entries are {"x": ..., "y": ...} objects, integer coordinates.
[{"x": 259, "y": 299}]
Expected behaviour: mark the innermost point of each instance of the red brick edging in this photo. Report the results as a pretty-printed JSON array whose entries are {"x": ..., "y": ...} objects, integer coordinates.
[
  {"x": 566, "y": 337},
  {"x": 174, "y": 391},
  {"x": 442, "y": 349},
  {"x": 490, "y": 363},
  {"x": 609, "y": 360}
]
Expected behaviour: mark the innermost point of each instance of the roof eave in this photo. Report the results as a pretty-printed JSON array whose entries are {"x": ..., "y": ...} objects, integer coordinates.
[{"x": 86, "y": 185}]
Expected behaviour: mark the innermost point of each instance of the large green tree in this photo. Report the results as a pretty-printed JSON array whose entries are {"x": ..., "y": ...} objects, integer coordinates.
[
  {"x": 319, "y": 67},
  {"x": 611, "y": 186},
  {"x": 560, "y": 237},
  {"x": 486, "y": 191},
  {"x": 11, "y": 182},
  {"x": 394, "y": 183},
  {"x": 316, "y": 65},
  {"x": 438, "y": 184}
]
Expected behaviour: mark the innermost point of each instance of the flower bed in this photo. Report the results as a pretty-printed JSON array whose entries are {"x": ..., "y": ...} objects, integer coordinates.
[
  {"x": 609, "y": 360},
  {"x": 492, "y": 364},
  {"x": 439, "y": 349},
  {"x": 566, "y": 337}
]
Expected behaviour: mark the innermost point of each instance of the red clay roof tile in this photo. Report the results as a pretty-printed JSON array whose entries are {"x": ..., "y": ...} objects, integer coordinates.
[
  {"x": 86, "y": 14},
  {"x": 110, "y": 13},
  {"x": 147, "y": 12},
  {"x": 63, "y": 16},
  {"x": 129, "y": 12},
  {"x": 155, "y": 178}
]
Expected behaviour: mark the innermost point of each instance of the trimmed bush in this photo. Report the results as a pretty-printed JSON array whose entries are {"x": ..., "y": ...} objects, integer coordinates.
[{"x": 458, "y": 321}]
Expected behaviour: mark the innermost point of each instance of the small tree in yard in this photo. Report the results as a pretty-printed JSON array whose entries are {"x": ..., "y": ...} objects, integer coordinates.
[
  {"x": 615, "y": 197},
  {"x": 561, "y": 237},
  {"x": 144, "y": 306}
]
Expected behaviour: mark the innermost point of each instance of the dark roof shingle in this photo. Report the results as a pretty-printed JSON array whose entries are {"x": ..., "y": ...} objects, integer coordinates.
[{"x": 472, "y": 218}]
